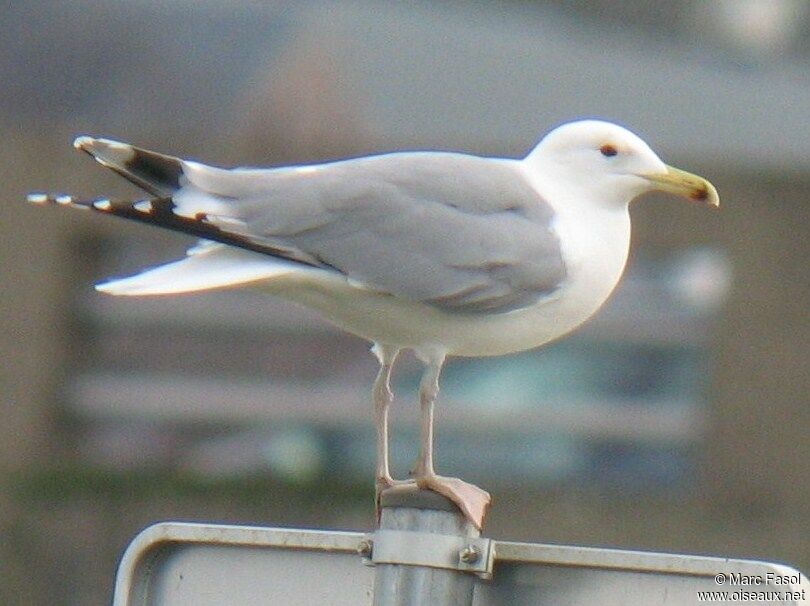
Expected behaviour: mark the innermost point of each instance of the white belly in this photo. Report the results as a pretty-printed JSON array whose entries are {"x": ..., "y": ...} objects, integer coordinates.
[{"x": 595, "y": 253}]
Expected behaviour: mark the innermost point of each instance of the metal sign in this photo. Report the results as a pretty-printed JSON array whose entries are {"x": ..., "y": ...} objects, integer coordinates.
[{"x": 172, "y": 564}]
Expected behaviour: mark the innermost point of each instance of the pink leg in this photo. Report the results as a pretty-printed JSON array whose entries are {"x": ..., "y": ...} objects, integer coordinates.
[
  {"x": 472, "y": 501},
  {"x": 382, "y": 401}
]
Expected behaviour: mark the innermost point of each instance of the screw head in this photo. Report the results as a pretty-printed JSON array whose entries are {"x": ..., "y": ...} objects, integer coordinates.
[
  {"x": 470, "y": 554},
  {"x": 365, "y": 547}
]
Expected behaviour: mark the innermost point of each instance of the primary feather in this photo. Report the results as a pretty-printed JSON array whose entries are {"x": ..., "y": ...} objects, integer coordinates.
[{"x": 155, "y": 173}]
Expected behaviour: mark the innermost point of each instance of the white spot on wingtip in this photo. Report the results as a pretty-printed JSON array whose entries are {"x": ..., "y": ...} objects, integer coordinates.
[
  {"x": 144, "y": 206},
  {"x": 64, "y": 200},
  {"x": 82, "y": 142},
  {"x": 96, "y": 147},
  {"x": 306, "y": 170},
  {"x": 38, "y": 198},
  {"x": 102, "y": 205}
]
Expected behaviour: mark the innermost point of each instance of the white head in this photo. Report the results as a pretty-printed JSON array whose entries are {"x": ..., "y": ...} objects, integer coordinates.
[{"x": 609, "y": 163}]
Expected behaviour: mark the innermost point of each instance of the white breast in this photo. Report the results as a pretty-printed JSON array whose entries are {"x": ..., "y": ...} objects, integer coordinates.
[{"x": 595, "y": 250}]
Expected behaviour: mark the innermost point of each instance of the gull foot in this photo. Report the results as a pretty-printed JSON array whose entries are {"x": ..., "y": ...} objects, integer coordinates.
[{"x": 471, "y": 500}]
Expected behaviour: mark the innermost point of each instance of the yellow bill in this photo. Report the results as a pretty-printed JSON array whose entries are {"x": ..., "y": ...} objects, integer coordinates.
[{"x": 681, "y": 183}]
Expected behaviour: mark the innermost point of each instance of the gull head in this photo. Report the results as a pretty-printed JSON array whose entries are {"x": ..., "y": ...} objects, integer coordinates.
[{"x": 609, "y": 165}]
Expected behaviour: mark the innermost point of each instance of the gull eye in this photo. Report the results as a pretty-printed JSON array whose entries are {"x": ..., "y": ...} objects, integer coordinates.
[{"x": 608, "y": 150}]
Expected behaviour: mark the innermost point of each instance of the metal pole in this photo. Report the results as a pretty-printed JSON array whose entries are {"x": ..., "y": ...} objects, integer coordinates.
[{"x": 422, "y": 520}]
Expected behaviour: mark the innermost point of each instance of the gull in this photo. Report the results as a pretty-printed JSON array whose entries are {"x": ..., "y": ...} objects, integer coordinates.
[{"x": 445, "y": 254}]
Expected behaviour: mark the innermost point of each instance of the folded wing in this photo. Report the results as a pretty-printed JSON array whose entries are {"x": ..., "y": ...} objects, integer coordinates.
[{"x": 458, "y": 232}]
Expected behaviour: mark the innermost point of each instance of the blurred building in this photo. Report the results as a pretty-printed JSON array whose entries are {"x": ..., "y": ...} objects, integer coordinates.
[{"x": 676, "y": 420}]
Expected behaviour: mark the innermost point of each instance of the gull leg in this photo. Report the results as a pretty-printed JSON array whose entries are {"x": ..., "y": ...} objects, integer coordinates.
[
  {"x": 382, "y": 401},
  {"x": 472, "y": 501},
  {"x": 428, "y": 392}
]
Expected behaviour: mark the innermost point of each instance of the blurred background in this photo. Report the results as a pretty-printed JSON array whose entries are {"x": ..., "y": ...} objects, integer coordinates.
[{"x": 676, "y": 420}]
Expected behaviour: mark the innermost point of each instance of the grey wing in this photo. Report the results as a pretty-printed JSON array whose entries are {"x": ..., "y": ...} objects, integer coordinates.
[{"x": 458, "y": 232}]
